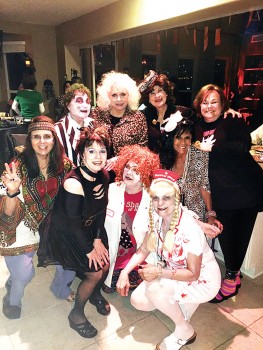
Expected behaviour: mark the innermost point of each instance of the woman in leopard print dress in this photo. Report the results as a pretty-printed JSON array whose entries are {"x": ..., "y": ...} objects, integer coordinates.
[
  {"x": 117, "y": 104},
  {"x": 191, "y": 166}
]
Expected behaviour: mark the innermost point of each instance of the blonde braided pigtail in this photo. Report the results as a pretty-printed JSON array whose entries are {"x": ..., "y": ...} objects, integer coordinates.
[
  {"x": 169, "y": 237},
  {"x": 151, "y": 242}
]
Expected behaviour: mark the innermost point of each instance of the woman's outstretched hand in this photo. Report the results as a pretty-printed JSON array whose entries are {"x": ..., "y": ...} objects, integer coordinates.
[
  {"x": 234, "y": 113},
  {"x": 10, "y": 179},
  {"x": 110, "y": 163},
  {"x": 210, "y": 230},
  {"x": 123, "y": 284}
]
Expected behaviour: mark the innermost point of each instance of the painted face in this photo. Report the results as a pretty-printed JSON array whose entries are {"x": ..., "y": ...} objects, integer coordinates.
[
  {"x": 95, "y": 157},
  {"x": 42, "y": 142},
  {"x": 79, "y": 107},
  {"x": 163, "y": 203},
  {"x": 182, "y": 143},
  {"x": 131, "y": 176},
  {"x": 163, "y": 199},
  {"x": 211, "y": 107},
  {"x": 157, "y": 97},
  {"x": 118, "y": 99}
]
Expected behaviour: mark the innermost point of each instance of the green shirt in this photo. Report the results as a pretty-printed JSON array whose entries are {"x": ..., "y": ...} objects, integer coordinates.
[{"x": 29, "y": 101}]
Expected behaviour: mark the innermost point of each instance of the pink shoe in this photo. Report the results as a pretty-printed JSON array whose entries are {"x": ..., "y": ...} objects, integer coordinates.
[{"x": 228, "y": 290}]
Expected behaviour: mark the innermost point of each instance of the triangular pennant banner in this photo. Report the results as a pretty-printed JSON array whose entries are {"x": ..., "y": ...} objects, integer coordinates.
[
  {"x": 158, "y": 42},
  {"x": 195, "y": 37},
  {"x": 250, "y": 18},
  {"x": 218, "y": 37},
  {"x": 205, "y": 37}
]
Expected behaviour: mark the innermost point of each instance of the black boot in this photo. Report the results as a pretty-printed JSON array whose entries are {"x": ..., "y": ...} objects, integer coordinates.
[{"x": 231, "y": 275}]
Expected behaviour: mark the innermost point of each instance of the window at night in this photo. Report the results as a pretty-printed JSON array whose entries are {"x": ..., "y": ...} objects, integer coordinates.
[
  {"x": 185, "y": 81},
  {"x": 219, "y": 73}
]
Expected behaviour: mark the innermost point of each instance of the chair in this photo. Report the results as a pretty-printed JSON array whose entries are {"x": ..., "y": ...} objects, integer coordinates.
[
  {"x": 20, "y": 139},
  {"x": 19, "y": 142}
]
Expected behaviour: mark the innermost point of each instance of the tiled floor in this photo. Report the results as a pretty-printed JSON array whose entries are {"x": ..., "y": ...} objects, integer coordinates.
[{"x": 235, "y": 324}]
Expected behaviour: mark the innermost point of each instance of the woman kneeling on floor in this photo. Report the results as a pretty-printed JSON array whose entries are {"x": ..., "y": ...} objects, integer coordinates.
[
  {"x": 77, "y": 237},
  {"x": 127, "y": 210},
  {"x": 185, "y": 273}
]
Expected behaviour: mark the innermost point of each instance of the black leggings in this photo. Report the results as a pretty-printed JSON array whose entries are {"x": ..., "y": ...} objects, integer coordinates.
[
  {"x": 90, "y": 285},
  {"x": 234, "y": 240}
]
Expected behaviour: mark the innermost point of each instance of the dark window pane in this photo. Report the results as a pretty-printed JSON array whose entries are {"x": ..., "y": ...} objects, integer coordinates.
[
  {"x": 219, "y": 73},
  {"x": 15, "y": 67},
  {"x": 148, "y": 63},
  {"x": 104, "y": 56},
  {"x": 185, "y": 74}
]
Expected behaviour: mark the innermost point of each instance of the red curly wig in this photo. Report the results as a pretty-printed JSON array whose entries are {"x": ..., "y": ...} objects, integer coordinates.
[{"x": 146, "y": 160}]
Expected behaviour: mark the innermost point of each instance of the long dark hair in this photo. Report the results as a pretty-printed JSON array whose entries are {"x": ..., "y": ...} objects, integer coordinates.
[
  {"x": 168, "y": 154},
  {"x": 29, "y": 158}
]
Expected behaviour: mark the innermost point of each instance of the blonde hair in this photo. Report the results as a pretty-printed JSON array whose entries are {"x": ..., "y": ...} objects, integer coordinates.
[
  {"x": 119, "y": 81},
  {"x": 161, "y": 186}
]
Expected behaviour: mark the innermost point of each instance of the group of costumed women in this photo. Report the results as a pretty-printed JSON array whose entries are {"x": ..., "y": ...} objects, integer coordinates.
[{"x": 144, "y": 231}]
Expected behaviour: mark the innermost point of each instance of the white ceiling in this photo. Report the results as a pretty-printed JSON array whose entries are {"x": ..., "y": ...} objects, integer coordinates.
[{"x": 47, "y": 12}]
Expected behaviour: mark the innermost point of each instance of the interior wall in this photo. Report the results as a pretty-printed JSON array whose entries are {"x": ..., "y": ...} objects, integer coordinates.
[
  {"x": 121, "y": 20},
  {"x": 127, "y": 18},
  {"x": 41, "y": 45},
  {"x": 72, "y": 59}
]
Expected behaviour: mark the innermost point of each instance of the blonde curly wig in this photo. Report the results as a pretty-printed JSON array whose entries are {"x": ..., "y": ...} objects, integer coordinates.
[{"x": 121, "y": 82}]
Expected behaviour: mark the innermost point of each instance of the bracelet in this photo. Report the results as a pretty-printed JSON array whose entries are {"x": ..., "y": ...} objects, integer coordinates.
[
  {"x": 210, "y": 213},
  {"x": 159, "y": 272},
  {"x": 13, "y": 195}
]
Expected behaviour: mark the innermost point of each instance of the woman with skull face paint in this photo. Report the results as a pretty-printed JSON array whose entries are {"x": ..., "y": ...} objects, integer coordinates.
[
  {"x": 77, "y": 100},
  {"x": 127, "y": 211}
]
